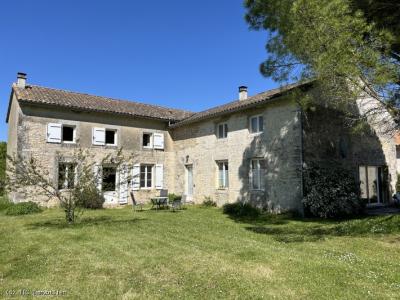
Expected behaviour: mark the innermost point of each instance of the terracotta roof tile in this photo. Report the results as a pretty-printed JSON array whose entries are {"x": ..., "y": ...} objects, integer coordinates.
[
  {"x": 56, "y": 97},
  {"x": 237, "y": 105},
  {"x": 49, "y": 96}
]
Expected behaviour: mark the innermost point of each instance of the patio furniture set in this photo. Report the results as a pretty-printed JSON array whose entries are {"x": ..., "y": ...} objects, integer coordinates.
[{"x": 159, "y": 202}]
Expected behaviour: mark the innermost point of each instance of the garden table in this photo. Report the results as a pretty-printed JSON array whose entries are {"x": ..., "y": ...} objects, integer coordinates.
[{"x": 159, "y": 201}]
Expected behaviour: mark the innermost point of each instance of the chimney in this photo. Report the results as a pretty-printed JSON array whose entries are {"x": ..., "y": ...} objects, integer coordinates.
[
  {"x": 242, "y": 93},
  {"x": 21, "y": 79}
]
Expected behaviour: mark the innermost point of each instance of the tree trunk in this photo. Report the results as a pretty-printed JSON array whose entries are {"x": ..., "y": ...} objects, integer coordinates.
[{"x": 70, "y": 215}]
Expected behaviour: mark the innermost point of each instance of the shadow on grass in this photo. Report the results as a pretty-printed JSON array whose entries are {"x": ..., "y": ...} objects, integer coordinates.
[
  {"x": 289, "y": 229},
  {"x": 84, "y": 222}
]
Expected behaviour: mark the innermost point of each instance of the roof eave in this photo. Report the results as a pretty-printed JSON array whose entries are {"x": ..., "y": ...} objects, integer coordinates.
[{"x": 25, "y": 101}]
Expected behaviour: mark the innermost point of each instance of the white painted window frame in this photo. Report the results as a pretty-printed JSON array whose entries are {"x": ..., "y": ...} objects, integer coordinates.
[
  {"x": 225, "y": 180},
  {"x": 225, "y": 130},
  {"x": 67, "y": 170},
  {"x": 115, "y": 136},
  {"x": 145, "y": 177},
  {"x": 151, "y": 140},
  {"x": 258, "y": 131},
  {"x": 261, "y": 173},
  {"x": 73, "y": 134}
]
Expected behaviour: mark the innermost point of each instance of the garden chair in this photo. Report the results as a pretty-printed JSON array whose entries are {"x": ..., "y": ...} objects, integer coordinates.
[
  {"x": 178, "y": 203},
  {"x": 163, "y": 200},
  {"x": 135, "y": 204}
]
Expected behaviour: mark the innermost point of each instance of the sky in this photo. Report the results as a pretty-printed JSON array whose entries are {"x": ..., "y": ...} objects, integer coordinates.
[{"x": 183, "y": 54}]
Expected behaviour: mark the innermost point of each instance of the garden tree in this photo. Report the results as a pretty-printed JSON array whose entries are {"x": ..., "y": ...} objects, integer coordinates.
[
  {"x": 3, "y": 154},
  {"x": 332, "y": 42},
  {"x": 26, "y": 174},
  {"x": 386, "y": 15}
]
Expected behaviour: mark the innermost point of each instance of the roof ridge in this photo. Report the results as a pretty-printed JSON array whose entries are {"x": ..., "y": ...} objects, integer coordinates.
[{"x": 108, "y": 98}]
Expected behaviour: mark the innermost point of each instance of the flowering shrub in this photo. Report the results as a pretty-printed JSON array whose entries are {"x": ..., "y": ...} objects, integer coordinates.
[{"x": 331, "y": 193}]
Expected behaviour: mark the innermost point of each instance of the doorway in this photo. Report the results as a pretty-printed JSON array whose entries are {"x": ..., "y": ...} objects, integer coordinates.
[
  {"x": 189, "y": 182},
  {"x": 372, "y": 184}
]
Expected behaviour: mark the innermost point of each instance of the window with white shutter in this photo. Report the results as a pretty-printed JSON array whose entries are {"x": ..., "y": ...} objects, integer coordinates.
[
  {"x": 158, "y": 141},
  {"x": 135, "y": 181},
  {"x": 159, "y": 177},
  {"x": 54, "y": 133},
  {"x": 99, "y": 136}
]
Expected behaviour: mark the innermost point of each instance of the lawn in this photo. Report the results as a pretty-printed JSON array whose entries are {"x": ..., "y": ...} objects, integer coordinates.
[{"x": 198, "y": 253}]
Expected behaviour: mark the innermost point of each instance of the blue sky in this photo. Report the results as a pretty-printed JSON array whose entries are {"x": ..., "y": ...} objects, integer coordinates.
[{"x": 184, "y": 54}]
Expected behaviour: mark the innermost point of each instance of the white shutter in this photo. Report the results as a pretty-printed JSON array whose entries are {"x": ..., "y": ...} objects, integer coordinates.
[
  {"x": 99, "y": 136},
  {"x": 135, "y": 177},
  {"x": 54, "y": 133},
  {"x": 98, "y": 176},
  {"x": 159, "y": 177},
  {"x": 158, "y": 141},
  {"x": 123, "y": 184}
]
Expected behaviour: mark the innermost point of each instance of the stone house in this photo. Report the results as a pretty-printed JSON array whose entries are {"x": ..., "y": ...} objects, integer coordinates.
[{"x": 251, "y": 149}]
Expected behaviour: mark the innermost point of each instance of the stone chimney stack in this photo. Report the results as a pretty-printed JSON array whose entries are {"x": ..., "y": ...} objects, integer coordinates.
[
  {"x": 21, "y": 79},
  {"x": 242, "y": 93}
]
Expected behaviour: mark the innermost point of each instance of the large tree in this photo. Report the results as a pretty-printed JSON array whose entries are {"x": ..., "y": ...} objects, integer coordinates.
[
  {"x": 386, "y": 15},
  {"x": 332, "y": 41}
]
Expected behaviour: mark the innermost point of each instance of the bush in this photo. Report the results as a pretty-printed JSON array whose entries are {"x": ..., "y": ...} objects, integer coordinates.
[
  {"x": 89, "y": 197},
  {"x": 173, "y": 197},
  {"x": 331, "y": 193},
  {"x": 5, "y": 203},
  {"x": 208, "y": 202},
  {"x": 239, "y": 209},
  {"x": 23, "y": 208}
]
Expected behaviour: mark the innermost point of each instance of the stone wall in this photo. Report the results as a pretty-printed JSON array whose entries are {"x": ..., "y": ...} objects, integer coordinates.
[
  {"x": 32, "y": 141},
  {"x": 330, "y": 142},
  {"x": 279, "y": 144}
]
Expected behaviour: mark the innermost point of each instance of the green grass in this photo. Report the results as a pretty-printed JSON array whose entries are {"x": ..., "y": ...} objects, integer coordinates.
[{"x": 199, "y": 253}]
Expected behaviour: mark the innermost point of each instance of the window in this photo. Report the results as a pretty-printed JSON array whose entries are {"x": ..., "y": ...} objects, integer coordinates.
[
  {"x": 109, "y": 179},
  {"x": 256, "y": 124},
  {"x": 223, "y": 175},
  {"x": 146, "y": 176},
  {"x": 66, "y": 176},
  {"x": 222, "y": 131},
  {"x": 372, "y": 180},
  {"x": 111, "y": 137},
  {"x": 147, "y": 140},
  {"x": 68, "y": 134},
  {"x": 257, "y": 171},
  {"x": 58, "y": 133}
]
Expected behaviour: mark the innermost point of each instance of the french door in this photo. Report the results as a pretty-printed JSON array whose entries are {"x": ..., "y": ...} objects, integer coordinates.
[{"x": 372, "y": 184}]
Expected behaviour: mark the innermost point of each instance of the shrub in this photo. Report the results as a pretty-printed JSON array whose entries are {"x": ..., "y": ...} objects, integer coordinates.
[
  {"x": 331, "y": 193},
  {"x": 173, "y": 197},
  {"x": 23, "y": 208},
  {"x": 239, "y": 209},
  {"x": 208, "y": 202},
  {"x": 5, "y": 203},
  {"x": 89, "y": 197}
]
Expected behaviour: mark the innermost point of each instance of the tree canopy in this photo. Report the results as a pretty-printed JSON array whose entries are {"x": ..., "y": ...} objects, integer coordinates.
[{"x": 338, "y": 42}]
